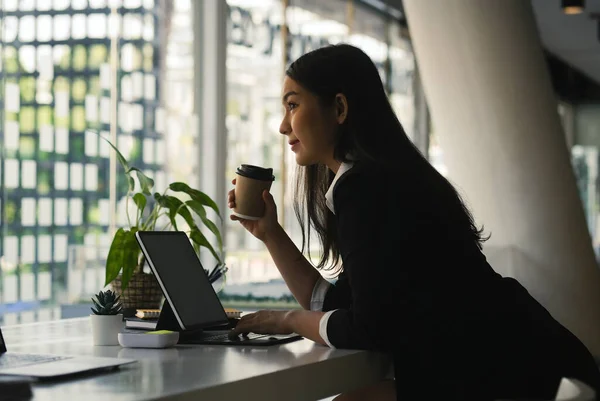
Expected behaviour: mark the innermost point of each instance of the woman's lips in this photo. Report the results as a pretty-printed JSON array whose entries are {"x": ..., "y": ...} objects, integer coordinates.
[{"x": 294, "y": 144}]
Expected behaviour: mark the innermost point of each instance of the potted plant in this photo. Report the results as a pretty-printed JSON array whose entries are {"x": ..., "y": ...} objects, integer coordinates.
[
  {"x": 125, "y": 262},
  {"x": 106, "y": 319}
]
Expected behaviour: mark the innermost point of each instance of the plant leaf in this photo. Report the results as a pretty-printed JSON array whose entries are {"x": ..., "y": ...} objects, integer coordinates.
[
  {"x": 200, "y": 211},
  {"x": 131, "y": 183},
  {"x": 146, "y": 183},
  {"x": 122, "y": 256},
  {"x": 195, "y": 195},
  {"x": 181, "y": 209},
  {"x": 120, "y": 157},
  {"x": 176, "y": 206},
  {"x": 166, "y": 202},
  {"x": 130, "y": 257},
  {"x": 196, "y": 247},
  {"x": 98, "y": 307},
  {"x": 201, "y": 240},
  {"x": 140, "y": 202},
  {"x": 114, "y": 259}
]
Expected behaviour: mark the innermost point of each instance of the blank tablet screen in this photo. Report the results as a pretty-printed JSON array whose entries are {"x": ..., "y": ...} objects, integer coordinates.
[{"x": 172, "y": 258}]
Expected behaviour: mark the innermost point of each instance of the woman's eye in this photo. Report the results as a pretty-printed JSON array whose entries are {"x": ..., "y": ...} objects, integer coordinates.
[{"x": 292, "y": 106}]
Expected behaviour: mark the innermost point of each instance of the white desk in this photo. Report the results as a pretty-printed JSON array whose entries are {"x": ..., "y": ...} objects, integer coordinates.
[{"x": 301, "y": 370}]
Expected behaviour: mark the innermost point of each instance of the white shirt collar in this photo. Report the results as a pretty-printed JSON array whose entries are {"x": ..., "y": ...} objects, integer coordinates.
[{"x": 329, "y": 194}]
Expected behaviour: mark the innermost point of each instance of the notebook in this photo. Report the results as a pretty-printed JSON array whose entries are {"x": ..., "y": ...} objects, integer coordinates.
[
  {"x": 147, "y": 313},
  {"x": 141, "y": 324},
  {"x": 192, "y": 306}
]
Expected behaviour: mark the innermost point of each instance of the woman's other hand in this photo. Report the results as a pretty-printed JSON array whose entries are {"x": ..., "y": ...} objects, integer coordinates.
[
  {"x": 263, "y": 322},
  {"x": 263, "y": 227}
]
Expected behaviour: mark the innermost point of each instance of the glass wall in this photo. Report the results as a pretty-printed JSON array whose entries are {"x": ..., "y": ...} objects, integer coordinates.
[
  {"x": 312, "y": 25},
  {"x": 583, "y": 121},
  {"x": 254, "y": 74},
  {"x": 255, "y": 67},
  {"x": 72, "y": 71}
]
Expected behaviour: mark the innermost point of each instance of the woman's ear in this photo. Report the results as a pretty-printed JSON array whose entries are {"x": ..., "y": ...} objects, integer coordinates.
[{"x": 341, "y": 108}]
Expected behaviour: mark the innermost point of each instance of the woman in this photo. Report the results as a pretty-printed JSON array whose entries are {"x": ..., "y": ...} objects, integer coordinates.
[{"x": 409, "y": 249}]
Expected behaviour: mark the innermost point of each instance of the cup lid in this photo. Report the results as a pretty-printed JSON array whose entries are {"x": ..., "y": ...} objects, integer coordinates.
[{"x": 256, "y": 172}]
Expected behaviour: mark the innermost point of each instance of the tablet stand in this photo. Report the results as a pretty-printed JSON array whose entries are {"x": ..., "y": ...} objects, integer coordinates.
[{"x": 168, "y": 321}]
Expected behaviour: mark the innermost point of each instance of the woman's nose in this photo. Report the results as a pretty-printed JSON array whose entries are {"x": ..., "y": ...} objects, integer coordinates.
[{"x": 285, "y": 128}]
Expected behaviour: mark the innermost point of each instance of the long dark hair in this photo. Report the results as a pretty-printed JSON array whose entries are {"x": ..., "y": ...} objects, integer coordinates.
[{"x": 370, "y": 134}]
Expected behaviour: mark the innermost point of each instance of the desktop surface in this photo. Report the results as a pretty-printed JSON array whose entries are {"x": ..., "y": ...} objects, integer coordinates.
[{"x": 197, "y": 371}]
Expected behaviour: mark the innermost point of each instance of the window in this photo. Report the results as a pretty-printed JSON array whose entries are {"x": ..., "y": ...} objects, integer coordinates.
[
  {"x": 580, "y": 123},
  {"x": 72, "y": 70},
  {"x": 254, "y": 75},
  {"x": 255, "y": 70}
]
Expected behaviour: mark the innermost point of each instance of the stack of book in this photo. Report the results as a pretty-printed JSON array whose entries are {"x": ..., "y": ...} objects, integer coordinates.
[
  {"x": 147, "y": 314},
  {"x": 233, "y": 313},
  {"x": 146, "y": 319}
]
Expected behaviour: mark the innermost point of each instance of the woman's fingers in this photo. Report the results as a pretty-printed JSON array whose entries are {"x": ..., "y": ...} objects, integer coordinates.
[
  {"x": 243, "y": 325},
  {"x": 231, "y": 199},
  {"x": 231, "y": 196}
]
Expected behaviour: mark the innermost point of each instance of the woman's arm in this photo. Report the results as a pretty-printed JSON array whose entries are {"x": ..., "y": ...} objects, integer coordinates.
[
  {"x": 303, "y": 322},
  {"x": 375, "y": 245},
  {"x": 299, "y": 274},
  {"x": 306, "y": 323}
]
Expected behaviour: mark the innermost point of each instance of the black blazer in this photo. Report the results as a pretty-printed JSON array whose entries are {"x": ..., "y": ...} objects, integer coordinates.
[{"x": 415, "y": 288}]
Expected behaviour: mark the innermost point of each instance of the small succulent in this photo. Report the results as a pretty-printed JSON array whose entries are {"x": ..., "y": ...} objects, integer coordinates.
[{"x": 107, "y": 303}]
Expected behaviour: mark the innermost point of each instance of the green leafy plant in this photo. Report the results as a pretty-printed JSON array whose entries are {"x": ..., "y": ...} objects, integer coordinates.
[
  {"x": 107, "y": 303},
  {"x": 124, "y": 253}
]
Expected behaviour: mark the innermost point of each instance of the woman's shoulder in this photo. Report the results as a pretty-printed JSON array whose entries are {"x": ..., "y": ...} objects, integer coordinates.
[
  {"x": 363, "y": 174},
  {"x": 364, "y": 184}
]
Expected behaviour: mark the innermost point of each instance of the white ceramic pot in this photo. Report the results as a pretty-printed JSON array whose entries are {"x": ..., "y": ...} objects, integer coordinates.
[{"x": 106, "y": 328}]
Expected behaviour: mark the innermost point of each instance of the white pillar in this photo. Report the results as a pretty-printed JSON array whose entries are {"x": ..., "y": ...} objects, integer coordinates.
[
  {"x": 495, "y": 113},
  {"x": 210, "y": 94}
]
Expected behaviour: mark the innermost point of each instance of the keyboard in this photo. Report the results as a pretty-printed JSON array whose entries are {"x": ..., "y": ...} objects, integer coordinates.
[
  {"x": 225, "y": 337},
  {"x": 17, "y": 360}
]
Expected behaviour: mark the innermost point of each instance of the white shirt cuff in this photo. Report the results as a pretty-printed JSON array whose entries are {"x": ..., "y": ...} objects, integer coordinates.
[
  {"x": 323, "y": 327},
  {"x": 318, "y": 294}
]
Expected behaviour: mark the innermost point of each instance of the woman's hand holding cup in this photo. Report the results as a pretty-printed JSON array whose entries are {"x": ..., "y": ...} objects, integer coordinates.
[{"x": 256, "y": 209}]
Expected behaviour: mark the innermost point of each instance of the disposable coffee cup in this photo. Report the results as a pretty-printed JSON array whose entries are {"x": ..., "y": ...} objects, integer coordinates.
[{"x": 250, "y": 183}]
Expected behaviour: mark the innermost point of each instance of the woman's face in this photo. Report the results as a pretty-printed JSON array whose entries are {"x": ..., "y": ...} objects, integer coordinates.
[{"x": 309, "y": 126}]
